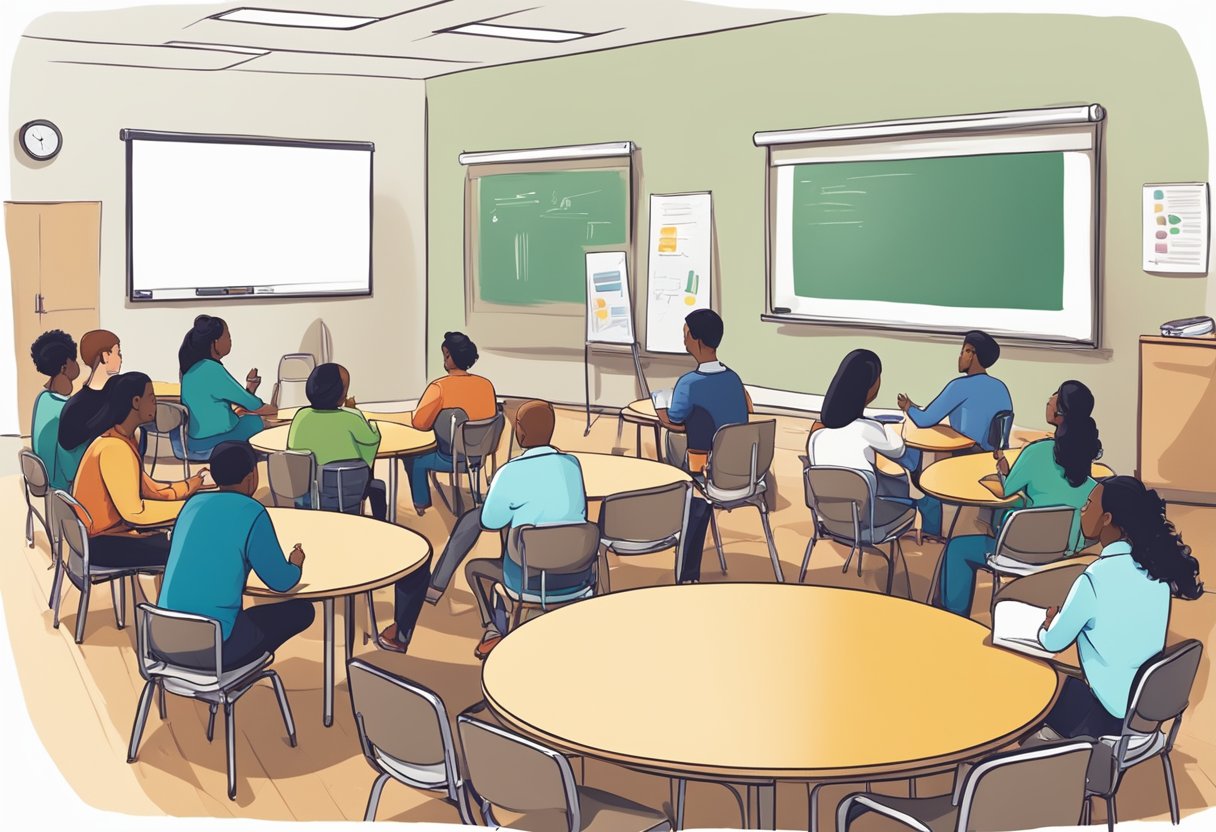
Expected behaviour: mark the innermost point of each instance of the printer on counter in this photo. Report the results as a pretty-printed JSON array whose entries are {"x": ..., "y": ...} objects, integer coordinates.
[{"x": 1188, "y": 327}]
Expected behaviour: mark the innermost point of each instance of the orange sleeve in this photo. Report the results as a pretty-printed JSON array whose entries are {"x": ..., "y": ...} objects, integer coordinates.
[
  {"x": 123, "y": 478},
  {"x": 155, "y": 490},
  {"x": 428, "y": 407}
]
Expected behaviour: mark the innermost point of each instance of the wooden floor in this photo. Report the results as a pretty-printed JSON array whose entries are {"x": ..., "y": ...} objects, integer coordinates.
[{"x": 82, "y": 698}]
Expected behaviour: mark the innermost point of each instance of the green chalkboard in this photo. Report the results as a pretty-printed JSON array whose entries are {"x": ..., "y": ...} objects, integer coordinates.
[
  {"x": 533, "y": 227},
  {"x": 967, "y": 231}
]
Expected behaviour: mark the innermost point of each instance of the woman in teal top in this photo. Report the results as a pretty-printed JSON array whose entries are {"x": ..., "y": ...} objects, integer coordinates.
[
  {"x": 334, "y": 433},
  {"x": 54, "y": 355},
  {"x": 210, "y": 392},
  {"x": 1051, "y": 472}
]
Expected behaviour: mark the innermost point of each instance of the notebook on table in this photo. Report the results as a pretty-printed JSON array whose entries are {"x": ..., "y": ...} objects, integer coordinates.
[
  {"x": 661, "y": 399},
  {"x": 1016, "y": 625}
]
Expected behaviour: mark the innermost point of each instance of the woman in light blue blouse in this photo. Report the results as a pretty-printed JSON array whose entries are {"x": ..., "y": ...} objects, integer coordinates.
[{"x": 210, "y": 392}]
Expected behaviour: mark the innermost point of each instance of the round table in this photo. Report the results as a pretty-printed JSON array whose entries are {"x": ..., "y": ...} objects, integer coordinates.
[
  {"x": 935, "y": 439},
  {"x": 167, "y": 389},
  {"x": 396, "y": 440},
  {"x": 799, "y": 683},
  {"x": 605, "y": 474},
  {"x": 642, "y": 414},
  {"x": 346, "y": 555},
  {"x": 286, "y": 414}
]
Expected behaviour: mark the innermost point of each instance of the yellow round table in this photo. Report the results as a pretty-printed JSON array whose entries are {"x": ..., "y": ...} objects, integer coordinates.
[
  {"x": 345, "y": 555},
  {"x": 798, "y": 683},
  {"x": 396, "y": 440},
  {"x": 286, "y": 414},
  {"x": 167, "y": 389},
  {"x": 641, "y": 413},
  {"x": 605, "y": 474},
  {"x": 956, "y": 480},
  {"x": 935, "y": 439}
]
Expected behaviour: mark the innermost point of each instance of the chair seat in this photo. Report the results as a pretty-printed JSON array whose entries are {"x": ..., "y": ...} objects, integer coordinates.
[
  {"x": 186, "y": 682},
  {"x": 638, "y": 547},
  {"x": 925, "y": 814},
  {"x": 730, "y": 495},
  {"x": 431, "y": 776},
  {"x": 1141, "y": 746},
  {"x": 563, "y": 596},
  {"x": 1011, "y": 566},
  {"x": 600, "y": 812}
]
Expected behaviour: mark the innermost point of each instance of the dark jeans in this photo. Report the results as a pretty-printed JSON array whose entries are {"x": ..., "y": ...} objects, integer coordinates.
[
  {"x": 693, "y": 544},
  {"x": 1078, "y": 713},
  {"x": 264, "y": 629},
  {"x": 377, "y": 495},
  {"x": 408, "y": 595},
  {"x": 129, "y": 550}
]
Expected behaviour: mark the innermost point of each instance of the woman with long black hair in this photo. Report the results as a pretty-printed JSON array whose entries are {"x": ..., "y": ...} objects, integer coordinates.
[
  {"x": 1118, "y": 609},
  {"x": 210, "y": 392},
  {"x": 1050, "y": 472}
]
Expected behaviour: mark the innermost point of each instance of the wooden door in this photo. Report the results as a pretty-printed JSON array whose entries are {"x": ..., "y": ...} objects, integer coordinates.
[{"x": 55, "y": 262}]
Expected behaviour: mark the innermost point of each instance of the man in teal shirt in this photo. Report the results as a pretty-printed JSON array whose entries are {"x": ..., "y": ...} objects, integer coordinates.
[
  {"x": 54, "y": 355},
  {"x": 218, "y": 538}
]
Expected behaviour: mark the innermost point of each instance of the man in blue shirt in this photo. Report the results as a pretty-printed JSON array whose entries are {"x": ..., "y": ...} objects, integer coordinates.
[
  {"x": 710, "y": 397},
  {"x": 218, "y": 538}
]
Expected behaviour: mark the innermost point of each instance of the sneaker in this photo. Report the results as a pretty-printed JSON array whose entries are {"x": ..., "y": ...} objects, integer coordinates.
[
  {"x": 488, "y": 642},
  {"x": 387, "y": 640}
]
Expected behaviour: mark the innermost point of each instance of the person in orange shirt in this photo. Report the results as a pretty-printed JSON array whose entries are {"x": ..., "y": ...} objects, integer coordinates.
[
  {"x": 459, "y": 389},
  {"x": 125, "y": 511}
]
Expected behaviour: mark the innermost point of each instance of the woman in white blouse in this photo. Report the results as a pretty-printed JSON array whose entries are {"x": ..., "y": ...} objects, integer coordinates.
[{"x": 848, "y": 439}]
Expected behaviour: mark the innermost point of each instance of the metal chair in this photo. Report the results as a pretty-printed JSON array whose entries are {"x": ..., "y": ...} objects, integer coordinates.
[
  {"x": 844, "y": 509},
  {"x": 559, "y": 549},
  {"x": 738, "y": 466},
  {"x": 405, "y": 735},
  {"x": 643, "y": 522},
  {"x": 1020, "y": 789},
  {"x": 183, "y": 654},
  {"x": 1031, "y": 540},
  {"x": 467, "y": 443},
  {"x": 292, "y": 476},
  {"x": 173, "y": 422},
  {"x": 526, "y": 778},
  {"x": 289, "y": 389},
  {"x": 999, "y": 429},
  {"x": 340, "y": 486},
  {"x": 1160, "y": 694},
  {"x": 70, "y": 533},
  {"x": 37, "y": 484}
]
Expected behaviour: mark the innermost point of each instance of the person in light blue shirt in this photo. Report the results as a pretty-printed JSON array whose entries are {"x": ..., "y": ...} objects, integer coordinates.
[
  {"x": 1118, "y": 609},
  {"x": 54, "y": 354},
  {"x": 219, "y": 537},
  {"x": 210, "y": 392}
]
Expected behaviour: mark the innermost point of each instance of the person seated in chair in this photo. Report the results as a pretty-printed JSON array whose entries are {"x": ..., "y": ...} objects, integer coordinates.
[
  {"x": 54, "y": 355},
  {"x": 333, "y": 432},
  {"x": 1050, "y": 472},
  {"x": 221, "y": 536},
  {"x": 1118, "y": 609},
  {"x": 459, "y": 389},
  {"x": 84, "y": 415}
]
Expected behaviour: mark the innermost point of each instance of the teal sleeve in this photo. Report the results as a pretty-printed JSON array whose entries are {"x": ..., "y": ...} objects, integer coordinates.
[
  {"x": 227, "y": 388},
  {"x": 1026, "y": 467},
  {"x": 1073, "y": 617},
  {"x": 267, "y": 558}
]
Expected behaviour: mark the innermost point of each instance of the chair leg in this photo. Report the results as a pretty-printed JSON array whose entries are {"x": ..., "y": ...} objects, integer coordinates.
[
  {"x": 161, "y": 704},
  {"x": 118, "y": 593},
  {"x": 82, "y": 611},
  {"x": 442, "y": 496},
  {"x": 806, "y": 558},
  {"x": 52, "y": 601},
  {"x": 772, "y": 546},
  {"x": 1111, "y": 817},
  {"x": 230, "y": 733},
  {"x": 812, "y": 806},
  {"x": 1171, "y": 790},
  {"x": 891, "y": 569},
  {"x": 713, "y": 525},
  {"x": 211, "y": 721},
  {"x": 373, "y": 799},
  {"x": 371, "y": 617},
  {"x": 284, "y": 706},
  {"x": 681, "y": 792},
  {"x": 29, "y": 527},
  {"x": 141, "y": 717},
  {"x": 849, "y": 559},
  {"x": 1087, "y": 810}
]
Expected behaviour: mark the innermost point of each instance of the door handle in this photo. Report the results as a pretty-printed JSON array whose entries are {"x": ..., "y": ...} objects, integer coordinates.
[{"x": 38, "y": 310}]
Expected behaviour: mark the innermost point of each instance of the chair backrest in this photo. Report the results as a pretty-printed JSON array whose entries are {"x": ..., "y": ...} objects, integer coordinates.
[
  {"x": 1162, "y": 687},
  {"x": 562, "y": 548},
  {"x": 1043, "y": 786},
  {"x": 171, "y": 416},
  {"x": 166, "y": 639},
  {"x": 294, "y": 369},
  {"x": 33, "y": 471},
  {"x": 69, "y": 531},
  {"x": 477, "y": 439},
  {"x": 291, "y": 475},
  {"x": 516, "y": 774},
  {"x": 651, "y": 514},
  {"x": 838, "y": 496},
  {"x": 1037, "y": 535},
  {"x": 341, "y": 485},
  {"x": 446, "y": 424},
  {"x": 999, "y": 429},
  {"x": 401, "y": 719},
  {"x": 742, "y": 454}
]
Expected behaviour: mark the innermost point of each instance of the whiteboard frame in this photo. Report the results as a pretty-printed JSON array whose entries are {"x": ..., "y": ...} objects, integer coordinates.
[{"x": 1003, "y": 126}]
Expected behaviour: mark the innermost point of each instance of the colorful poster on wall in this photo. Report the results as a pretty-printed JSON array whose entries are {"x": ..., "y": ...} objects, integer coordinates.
[{"x": 681, "y": 259}]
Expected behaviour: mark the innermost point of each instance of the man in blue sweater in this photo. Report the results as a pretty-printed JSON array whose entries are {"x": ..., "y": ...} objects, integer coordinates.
[{"x": 219, "y": 537}]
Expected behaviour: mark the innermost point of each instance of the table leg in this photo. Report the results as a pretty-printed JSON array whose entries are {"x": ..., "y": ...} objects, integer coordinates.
[
  {"x": 658, "y": 442},
  {"x": 392, "y": 489},
  {"x": 812, "y": 799},
  {"x": 327, "y": 607},
  {"x": 348, "y": 616},
  {"x": 639, "y": 434},
  {"x": 766, "y": 806}
]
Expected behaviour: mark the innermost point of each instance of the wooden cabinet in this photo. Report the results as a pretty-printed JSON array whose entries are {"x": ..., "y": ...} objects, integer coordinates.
[{"x": 1176, "y": 447}]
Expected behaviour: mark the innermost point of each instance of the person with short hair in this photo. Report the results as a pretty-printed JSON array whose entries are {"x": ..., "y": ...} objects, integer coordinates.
[
  {"x": 54, "y": 354},
  {"x": 459, "y": 389},
  {"x": 703, "y": 401},
  {"x": 334, "y": 433},
  {"x": 210, "y": 392},
  {"x": 126, "y": 512},
  {"x": 221, "y": 536},
  {"x": 83, "y": 418}
]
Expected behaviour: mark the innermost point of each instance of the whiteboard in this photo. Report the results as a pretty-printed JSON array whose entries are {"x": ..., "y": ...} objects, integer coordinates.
[
  {"x": 609, "y": 311},
  {"x": 681, "y": 262}
]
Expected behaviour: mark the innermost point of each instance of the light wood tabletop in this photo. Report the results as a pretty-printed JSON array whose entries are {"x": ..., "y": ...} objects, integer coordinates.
[
  {"x": 938, "y": 438},
  {"x": 606, "y": 474},
  {"x": 167, "y": 389},
  {"x": 803, "y": 683},
  {"x": 956, "y": 479},
  {"x": 286, "y": 414},
  {"x": 395, "y": 440},
  {"x": 641, "y": 411}
]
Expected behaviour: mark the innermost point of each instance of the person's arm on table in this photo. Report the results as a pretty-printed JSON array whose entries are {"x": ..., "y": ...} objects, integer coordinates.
[
  {"x": 941, "y": 407},
  {"x": 125, "y": 482},
  {"x": 673, "y": 417},
  {"x": 267, "y": 558},
  {"x": 1061, "y": 629}
]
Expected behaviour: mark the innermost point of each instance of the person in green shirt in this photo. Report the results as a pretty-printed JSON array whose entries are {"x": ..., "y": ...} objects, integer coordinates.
[
  {"x": 1050, "y": 472},
  {"x": 210, "y": 392},
  {"x": 333, "y": 433},
  {"x": 54, "y": 354}
]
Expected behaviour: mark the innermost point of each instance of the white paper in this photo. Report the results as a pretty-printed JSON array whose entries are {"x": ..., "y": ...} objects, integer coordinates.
[
  {"x": 1016, "y": 626},
  {"x": 680, "y": 276},
  {"x": 609, "y": 312},
  {"x": 1177, "y": 228},
  {"x": 662, "y": 399}
]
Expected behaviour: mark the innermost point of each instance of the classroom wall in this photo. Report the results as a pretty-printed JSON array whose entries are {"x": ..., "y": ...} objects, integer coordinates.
[
  {"x": 693, "y": 104},
  {"x": 379, "y": 338}
]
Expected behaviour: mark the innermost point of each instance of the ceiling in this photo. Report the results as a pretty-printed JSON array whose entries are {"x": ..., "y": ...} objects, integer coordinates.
[{"x": 408, "y": 39}]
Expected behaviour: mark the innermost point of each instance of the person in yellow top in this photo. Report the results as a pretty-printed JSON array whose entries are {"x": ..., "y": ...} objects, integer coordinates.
[
  {"x": 459, "y": 389},
  {"x": 126, "y": 512}
]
